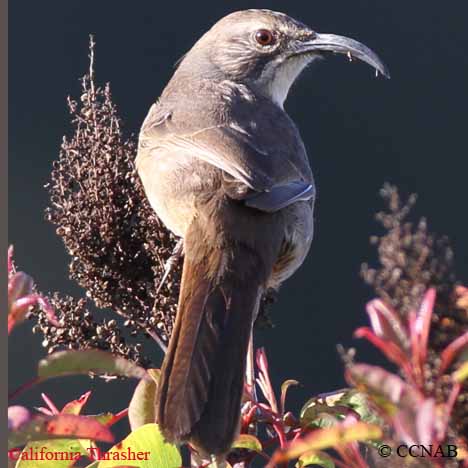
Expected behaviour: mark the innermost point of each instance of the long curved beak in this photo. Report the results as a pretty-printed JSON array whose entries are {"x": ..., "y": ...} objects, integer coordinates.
[{"x": 347, "y": 46}]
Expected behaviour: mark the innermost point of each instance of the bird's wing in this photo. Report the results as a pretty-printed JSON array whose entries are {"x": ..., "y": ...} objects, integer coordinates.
[
  {"x": 281, "y": 196},
  {"x": 267, "y": 179}
]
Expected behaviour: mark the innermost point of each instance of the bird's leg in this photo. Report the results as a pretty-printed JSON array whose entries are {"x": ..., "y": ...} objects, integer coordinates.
[
  {"x": 168, "y": 267},
  {"x": 171, "y": 263}
]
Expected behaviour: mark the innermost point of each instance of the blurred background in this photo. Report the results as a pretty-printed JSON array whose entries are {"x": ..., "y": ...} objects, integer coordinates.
[{"x": 359, "y": 132}]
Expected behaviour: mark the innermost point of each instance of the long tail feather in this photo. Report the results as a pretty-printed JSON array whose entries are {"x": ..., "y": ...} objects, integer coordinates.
[{"x": 203, "y": 373}]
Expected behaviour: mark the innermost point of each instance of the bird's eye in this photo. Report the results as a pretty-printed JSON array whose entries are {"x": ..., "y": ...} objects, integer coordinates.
[{"x": 264, "y": 37}]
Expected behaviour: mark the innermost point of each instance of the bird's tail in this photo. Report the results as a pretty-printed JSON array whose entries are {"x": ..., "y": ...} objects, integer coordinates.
[{"x": 202, "y": 375}]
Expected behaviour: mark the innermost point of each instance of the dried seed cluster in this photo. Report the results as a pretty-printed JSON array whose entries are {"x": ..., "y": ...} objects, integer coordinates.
[
  {"x": 118, "y": 247},
  {"x": 78, "y": 330},
  {"x": 411, "y": 261}
]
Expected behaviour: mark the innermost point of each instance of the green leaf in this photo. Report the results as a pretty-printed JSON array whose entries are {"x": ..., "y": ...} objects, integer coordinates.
[
  {"x": 75, "y": 406},
  {"x": 326, "y": 438},
  {"x": 146, "y": 442},
  {"x": 322, "y": 420},
  {"x": 59, "y": 426},
  {"x": 315, "y": 458},
  {"x": 461, "y": 373},
  {"x": 102, "y": 418},
  {"x": 65, "y": 451},
  {"x": 329, "y": 409},
  {"x": 317, "y": 412},
  {"x": 247, "y": 441},
  {"x": 88, "y": 360},
  {"x": 141, "y": 410},
  {"x": 359, "y": 402}
]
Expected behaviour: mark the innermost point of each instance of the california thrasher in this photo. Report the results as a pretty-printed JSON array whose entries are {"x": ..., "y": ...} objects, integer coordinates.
[{"x": 225, "y": 168}]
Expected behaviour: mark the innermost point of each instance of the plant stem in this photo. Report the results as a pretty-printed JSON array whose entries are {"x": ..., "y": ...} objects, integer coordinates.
[{"x": 26, "y": 386}]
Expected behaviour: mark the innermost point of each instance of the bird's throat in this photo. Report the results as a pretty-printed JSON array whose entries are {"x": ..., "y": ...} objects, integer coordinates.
[{"x": 279, "y": 80}]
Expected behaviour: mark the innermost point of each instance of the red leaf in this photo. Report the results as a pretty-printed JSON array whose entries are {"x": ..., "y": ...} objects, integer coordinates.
[
  {"x": 449, "y": 353},
  {"x": 426, "y": 422},
  {"x": 53, "y": 409},
  {"x": 386, "y": 324},
  {"x": 10, "y": 261},
  {"x": 264, "y": 381},
  {"x": 391, "y": 351},
  {"x": 416, "y": 363},
  {"x": 423, "y": 322},
  {"x": 19, "y": 285},
  {"x": 403, "y": 424},
  {"x": 419, "y": 425},
  {"x": 68, "y": 426},
  {"x": 78, "y": 426},
  {"x": 18, "y": 310},
  {"x": 381, "y": 383}
]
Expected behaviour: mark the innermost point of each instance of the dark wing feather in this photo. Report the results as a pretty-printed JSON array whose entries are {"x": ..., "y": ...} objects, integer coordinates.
[
  {"x": 242, "y": 155},
  {"x": 281, "y": 196}
]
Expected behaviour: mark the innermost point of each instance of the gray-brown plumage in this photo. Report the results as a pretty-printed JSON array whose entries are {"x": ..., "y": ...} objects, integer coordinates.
[{"x": 225, "y": 169}]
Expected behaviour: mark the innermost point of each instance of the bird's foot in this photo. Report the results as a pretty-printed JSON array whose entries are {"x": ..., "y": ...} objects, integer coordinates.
[{"x": 171, "y": 263}]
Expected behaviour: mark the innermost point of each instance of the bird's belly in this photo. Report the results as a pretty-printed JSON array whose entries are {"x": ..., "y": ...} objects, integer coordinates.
[
  {"x": 165, "y": 184},
  {"x": 176, "y": 217},
  {"x": 299, "y": 230}
]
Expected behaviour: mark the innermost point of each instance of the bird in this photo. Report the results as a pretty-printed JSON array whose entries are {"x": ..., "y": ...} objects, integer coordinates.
[{"x": 225, "y": 169}]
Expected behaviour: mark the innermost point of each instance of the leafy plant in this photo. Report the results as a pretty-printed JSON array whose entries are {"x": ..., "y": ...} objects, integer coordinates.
[{"x": 119, "y": 249}]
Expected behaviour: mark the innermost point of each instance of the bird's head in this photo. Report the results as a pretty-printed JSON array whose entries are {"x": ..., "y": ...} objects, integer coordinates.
[{"x": 267, "y": 51}]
